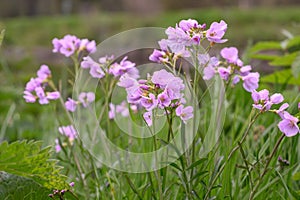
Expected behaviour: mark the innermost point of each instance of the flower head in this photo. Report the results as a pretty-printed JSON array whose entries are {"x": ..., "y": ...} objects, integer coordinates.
[
  {"x": 184, "y": 113},
  {"x": 289, "y": 125},
  {"x": 216, "y": 32},
  {"x": 86, "y": 98},
  {"x": 68, "y": 131}
]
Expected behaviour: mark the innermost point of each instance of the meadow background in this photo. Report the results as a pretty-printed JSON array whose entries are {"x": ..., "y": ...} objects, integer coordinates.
[{"x": 30, "y": 27}]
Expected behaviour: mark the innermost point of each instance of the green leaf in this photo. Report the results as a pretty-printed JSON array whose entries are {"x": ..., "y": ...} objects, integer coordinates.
[
  {"x": 296, "y": 176},
  {"x": 196, "y": 163},
  {"x": 296, "y": 66},
  {"x": 2, "y": 36},
  {"x": 269, "y": 45},
  {"x": 294, "y": 44},
  {"x": 14, "y": 187},
  {"x": 281, "y": 77},
  {"x": 285, "y": 60},
  {"x": 28, "y": 159},
  {"x": 264, "y": 57}
]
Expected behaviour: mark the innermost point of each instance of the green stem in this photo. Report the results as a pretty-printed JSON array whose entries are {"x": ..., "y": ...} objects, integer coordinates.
[
  {"x": 241, "y": 141},
  {"x": 266, "y": 167}
]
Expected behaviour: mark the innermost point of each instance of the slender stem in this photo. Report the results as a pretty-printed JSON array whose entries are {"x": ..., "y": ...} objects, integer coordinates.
[
  {"x": 266, "y": 167},
  {"x": 247, "y": 166},
  {"x": 241, "y": 141}
]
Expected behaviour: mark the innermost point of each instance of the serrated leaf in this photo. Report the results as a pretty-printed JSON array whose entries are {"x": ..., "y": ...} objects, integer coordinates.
[
  {"x": 285, "y": 60},
  {"x": 29, "y": 160},
  {"x": 14, "y": 187},
  {"x": 269, "y": 45},
  {"x": 296, "y": 66},
  {"x": 2, "y": 36},
  {"x": 281, "y": 77}
]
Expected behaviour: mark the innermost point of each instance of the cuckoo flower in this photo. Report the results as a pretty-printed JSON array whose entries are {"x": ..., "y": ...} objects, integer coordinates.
[
  {"x": 216, "y": 32},
  {"x": 289, "y": 125}
]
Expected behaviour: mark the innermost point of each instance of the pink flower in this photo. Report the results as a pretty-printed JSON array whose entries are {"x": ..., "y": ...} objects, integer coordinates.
[
  {"x": 149, "y": 102},
  {"x": 282, "y": 109},
  {"x": 71, "y": 105},
  {"x": 68, "y": 131},
  {"x": 289, "y": 125},
  {"x": 184, "y": 113},
  {"x": 86, "y": 98},
  {"x": 251, "y": 81},
  {"x": 230, "y": 54},
  {"x": 216, "y": 32},
  {"x": 163, "y": 100},
  {"x": 224, "y": 73},
  {"x": 118, "y": 69},
  {"x": 57, "y": 146},
  {"x": 148, "y": 118}
]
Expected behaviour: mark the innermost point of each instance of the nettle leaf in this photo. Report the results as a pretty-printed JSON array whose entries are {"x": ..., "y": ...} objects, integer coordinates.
[
  {"x": 285, "y": 60},
  {"x": 2, "y": 36},
  {"x": 28, "y": 159},
  {"x": 296, "y": 66},
  {"x": 281, "y": 77},
  {"x": 14, "y": 187},
  {"x": 262, "y": 46}
]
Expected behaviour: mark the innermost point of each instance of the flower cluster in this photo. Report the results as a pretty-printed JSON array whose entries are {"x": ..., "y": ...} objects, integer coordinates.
[
  {"x": 69, "y": 132},
  {"x": 161, "y": 90},
  {"x": 36, "y": 88},
  {"x": 84, "y": 98},
  {"x": 105, "y": 66},
  {"x": 263, "y": 102},
  {"x": 122, "y": 108},
  {"x": 184, "y": 35},
  {"x": 231, "y": 69},
  {"x": 70, "y": 45}
]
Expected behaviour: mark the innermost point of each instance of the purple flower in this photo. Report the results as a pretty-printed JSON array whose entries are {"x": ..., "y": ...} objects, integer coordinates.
[
  {"x": 216, "y": 32},
  {"x": 288, "y": 125},
  {"x": 70, "y": 44},
  {"x": 112, "y": 110},
  {"x": 163, "y": 100},
  {"x": 184, "y": 113},
  {"x": 41, "y": 95},
  {"x": 86, "y": 98},
  {"x": 71, "y": 105},
  {"x": 162, "y": 77},
  {"x": 186, "y": 25},
  {"x": 72, "y": 184},
  {"x": 118, "y": 69},
  {"x": 126, "y": 81},
  {"x": 57, "y": 146},
  {"x": 44, "y": 72},
  {"x": 158, "y": 56},
  {"x": 230, "y": 54},
  {"x": 123, "y": 109},
  {"x": 148, "y": 118},
  {"x": 282, "y": 109},
  {"x": 149, "y": 102},
  {"x": 53, "y": 95},
  {"x": 260, "y": 99},
  {"x": 89, "y": 46},
  {"x": 68, "y": 131},
  {"x": 224, "y": 73},
  {"x": 32, "y": 84},
  {"x": 208, "y": 72},
  {"x": 276, "y": 98},
  {"x": 235, "y": 80},
  {"x": 251, "y": 81},
  {"x": 96, "y": 71},
  {"x": 29, "y": 97},
  {"x": 245, "y": 70},
  {"x": 88, "y": 62}
]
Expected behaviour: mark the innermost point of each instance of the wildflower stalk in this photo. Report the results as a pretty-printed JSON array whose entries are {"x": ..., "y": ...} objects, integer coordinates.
[
  {"x": 240, "y": 142},
  {"x": 265, "y": 170}
]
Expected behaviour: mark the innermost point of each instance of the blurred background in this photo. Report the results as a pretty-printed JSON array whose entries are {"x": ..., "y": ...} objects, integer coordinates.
[{"x": 30, "y": 26}]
